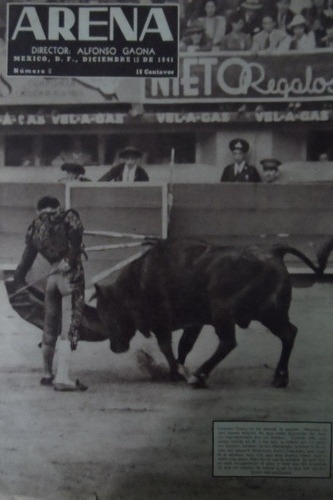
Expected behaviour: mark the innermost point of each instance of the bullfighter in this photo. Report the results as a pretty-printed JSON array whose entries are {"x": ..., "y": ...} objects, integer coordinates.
[{"x": 57, "y": 235}]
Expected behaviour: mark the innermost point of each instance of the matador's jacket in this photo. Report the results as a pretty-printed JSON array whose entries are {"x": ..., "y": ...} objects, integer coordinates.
[{"x": 58, "y": 238}]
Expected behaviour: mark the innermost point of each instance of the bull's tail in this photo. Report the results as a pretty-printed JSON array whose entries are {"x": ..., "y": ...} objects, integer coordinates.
[
  {"x": 323, "y": 254},
  {"x": 281, "y": 251}
]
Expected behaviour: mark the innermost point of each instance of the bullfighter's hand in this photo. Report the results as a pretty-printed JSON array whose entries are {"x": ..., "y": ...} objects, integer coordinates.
[{"x": 63, "y": 267}]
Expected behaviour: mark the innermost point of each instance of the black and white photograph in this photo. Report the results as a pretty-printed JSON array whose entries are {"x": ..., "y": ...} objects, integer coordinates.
[{"x": 166, "y": 235}]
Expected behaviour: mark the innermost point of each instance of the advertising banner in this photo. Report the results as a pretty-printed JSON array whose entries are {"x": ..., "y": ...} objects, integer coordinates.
[
  {"x": 246, "y": 78},
  {"x": 92, "y": 40},
  {"x": 203, "y": 78},
  {"x": 64, "y": 119}
]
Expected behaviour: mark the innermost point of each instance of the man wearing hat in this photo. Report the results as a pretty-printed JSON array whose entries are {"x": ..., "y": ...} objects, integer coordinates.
[
  {"x": 251, "y": 10},
  {"x": 195, "y": 39},
  {"x": 57, "y": 235},
  {"x": 302, "y": 39},
  {"x": 316, "y": 17},
  {"x": 284, "y": 15},
  {"x": 240, "y": 170},
  {"x": 128, "y": 170},
  {"x": 270, "y": 168},
  {"x": 74, "y": 171}
]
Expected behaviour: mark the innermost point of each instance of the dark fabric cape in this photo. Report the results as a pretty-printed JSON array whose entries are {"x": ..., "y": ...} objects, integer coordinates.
[{"x": 29, "y": 305}]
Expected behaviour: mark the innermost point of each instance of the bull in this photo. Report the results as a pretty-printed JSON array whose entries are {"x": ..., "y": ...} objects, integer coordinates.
[{"x": 185, "y": 284}]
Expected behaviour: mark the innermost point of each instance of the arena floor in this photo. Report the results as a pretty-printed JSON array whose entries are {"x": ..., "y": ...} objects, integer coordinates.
[{"x": 129, "y": 437}]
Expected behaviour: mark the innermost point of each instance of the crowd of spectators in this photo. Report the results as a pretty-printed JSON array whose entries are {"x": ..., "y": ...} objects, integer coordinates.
[
  {"x": 256, "y": 25},
  {"x": 238, "y": 25}
]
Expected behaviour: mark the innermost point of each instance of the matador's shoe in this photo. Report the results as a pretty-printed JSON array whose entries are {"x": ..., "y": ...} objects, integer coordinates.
[{"x": 78, "y": 386}]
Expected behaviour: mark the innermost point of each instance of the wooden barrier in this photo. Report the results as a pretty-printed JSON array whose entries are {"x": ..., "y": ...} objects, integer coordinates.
[
  {"x": 17, "y": 209},
  {"x": 231, "y": 214},
  {"x": 246, "y": 214},
  {"x": 139, "y": 208}
]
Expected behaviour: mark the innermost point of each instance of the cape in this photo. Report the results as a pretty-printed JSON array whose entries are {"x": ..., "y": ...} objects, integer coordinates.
[{"x": 29, "y": 305}]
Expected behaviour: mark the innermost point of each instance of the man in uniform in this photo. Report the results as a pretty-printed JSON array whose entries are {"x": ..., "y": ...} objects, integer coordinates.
[
  {"x": 128, "y": 170},
  {"x": 270, "y": 167},
  {"x": 240, "y": 170},
  {"x": 57, "y": 235}
]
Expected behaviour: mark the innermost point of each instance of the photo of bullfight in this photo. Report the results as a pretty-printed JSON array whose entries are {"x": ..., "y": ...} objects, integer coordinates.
[{"x": 167, "y": 259}]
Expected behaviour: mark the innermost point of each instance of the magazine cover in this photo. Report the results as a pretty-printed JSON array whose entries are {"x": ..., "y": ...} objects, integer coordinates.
[{"x": 166, "y": 228}]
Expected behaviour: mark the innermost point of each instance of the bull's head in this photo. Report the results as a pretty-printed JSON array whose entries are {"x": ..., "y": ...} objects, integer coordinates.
[{"x": 113, "y": 315}]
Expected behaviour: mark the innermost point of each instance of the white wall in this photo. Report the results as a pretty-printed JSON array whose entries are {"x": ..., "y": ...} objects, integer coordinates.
[
  {"x": 289, "y": 145},
  {"x": 206, "y": 147}
]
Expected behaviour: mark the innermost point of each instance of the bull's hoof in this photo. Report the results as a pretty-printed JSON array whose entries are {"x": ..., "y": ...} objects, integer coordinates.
[
  {"x": 280, "y": 380},
  {"x": 198, "y": 381},
  {"x": 184, "y": 372}
]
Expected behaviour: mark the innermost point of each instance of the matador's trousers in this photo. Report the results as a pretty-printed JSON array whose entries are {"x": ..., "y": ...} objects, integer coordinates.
[{"x": 64, "y": 302}]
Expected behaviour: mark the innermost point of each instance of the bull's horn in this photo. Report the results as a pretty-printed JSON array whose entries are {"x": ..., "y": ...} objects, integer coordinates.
[
  {"x": 94, "y": 296},
  {"x": 96, "y": 293}
]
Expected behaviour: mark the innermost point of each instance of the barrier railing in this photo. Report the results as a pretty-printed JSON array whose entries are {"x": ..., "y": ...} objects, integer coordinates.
[
  {"x": 138, "y": 209},
  {"x": 228, "y": 214}
]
